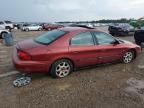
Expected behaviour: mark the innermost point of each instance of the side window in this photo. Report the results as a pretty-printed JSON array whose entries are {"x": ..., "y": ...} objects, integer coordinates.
[
  {"x": 83, "y": 39},
  {"x": 103, "y": 38},
  {"x": 1, "y": 23}
]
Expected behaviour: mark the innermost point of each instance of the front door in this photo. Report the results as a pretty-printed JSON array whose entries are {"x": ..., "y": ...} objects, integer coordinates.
[
  {"x": 83, "y": 50},
  {"x": 109, "y": 51}
]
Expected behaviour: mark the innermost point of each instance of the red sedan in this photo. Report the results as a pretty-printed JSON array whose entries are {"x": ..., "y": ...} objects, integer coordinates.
[
  {"x": 50, "y": 27},
  {"x": 63, "y": 50}
]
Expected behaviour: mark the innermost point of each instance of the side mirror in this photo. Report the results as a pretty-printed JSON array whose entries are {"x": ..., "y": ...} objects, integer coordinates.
[{"x": 115, "y": 42}]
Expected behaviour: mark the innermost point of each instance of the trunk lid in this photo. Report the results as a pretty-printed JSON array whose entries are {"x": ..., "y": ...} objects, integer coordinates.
[{"x": 28, "y": 44}]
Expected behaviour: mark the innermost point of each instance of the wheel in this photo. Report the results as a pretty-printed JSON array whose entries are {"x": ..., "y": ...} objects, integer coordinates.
[
  {"x": 39, "y": 29},
  {"x": 128, "y": 57},
  {"x": 61, "y": 68},
  {"x": 49, "y": 29},
  {"x": 27, "y": 29},
  {"x": 3, "y": 34}
]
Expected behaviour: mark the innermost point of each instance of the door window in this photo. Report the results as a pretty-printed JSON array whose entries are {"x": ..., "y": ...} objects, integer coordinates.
[
  {"x": 83, "y": 39},
  {"x": 103, "y": 38}
]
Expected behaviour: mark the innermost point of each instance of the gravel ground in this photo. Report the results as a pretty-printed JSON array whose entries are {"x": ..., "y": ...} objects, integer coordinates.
[{"x": 107, "y": 86}]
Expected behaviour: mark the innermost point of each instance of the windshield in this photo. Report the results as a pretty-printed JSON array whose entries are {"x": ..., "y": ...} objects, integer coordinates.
[
  {"x": 8, "y": 22},
  {"x": 50, "y": 36},
  {"x": 1, "y": 22}
]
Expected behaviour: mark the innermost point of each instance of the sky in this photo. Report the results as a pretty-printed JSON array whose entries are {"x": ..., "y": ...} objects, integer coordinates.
[{"x": 69, "y": 10}]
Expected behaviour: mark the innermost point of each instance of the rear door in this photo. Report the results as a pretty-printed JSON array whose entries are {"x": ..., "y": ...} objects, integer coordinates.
[
  {"x": 33, "y": 27},
  {"x": 83, "y": 50},
  {"x": 108, "y": 51}
]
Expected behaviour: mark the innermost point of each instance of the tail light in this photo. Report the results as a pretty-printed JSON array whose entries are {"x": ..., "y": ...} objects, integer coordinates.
[{"x": 23, "y": 55}]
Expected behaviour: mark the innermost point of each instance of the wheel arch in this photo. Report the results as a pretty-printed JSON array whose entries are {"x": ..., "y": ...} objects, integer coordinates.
[
  {"x": 66, "y": 58},
  {"x": 134, "y": 50},
  {"x": 2, "y": 33}
]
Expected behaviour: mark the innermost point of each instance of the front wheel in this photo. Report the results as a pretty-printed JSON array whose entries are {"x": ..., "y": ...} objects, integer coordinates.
[
  {"x": 61, "y": 68},
  {"x": 3, "y": 35},
  {"x": 128, "y": 57}
]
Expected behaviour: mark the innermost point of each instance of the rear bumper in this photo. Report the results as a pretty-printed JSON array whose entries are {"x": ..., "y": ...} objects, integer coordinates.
[{"x": 30, "y": 66}]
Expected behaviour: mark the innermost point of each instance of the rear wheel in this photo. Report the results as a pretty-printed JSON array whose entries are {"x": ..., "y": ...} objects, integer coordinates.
[
  {"x": 27, "y": 29},
  {"x": 39, "y": 29},
  {"x": 128, "y": 57},
  {"x": 61, "y": 68}
]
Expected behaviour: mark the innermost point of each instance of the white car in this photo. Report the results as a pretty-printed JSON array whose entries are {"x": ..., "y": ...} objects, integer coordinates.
[
  {"x": 6, "y": 25},
  {"x": 32, "y": 27},
  {"x": 3, "y": 32}
]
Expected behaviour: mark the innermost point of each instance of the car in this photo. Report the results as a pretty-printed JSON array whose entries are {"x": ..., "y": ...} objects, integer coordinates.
[
  {"x": 61, "y": 51},
  {"x": 3, "y": 32},
  {"x": 50, "y": 27},
  {"x": 142, "y": 28},
  {"x": 6, "y": 25},
  {"x": 139, "y": 37},
  {"x": 31, "y": 27},
  {"x": 121, "y": 30}
]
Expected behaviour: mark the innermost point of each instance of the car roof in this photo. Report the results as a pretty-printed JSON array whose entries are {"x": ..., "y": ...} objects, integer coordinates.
[{"x": 74, "y": 29}]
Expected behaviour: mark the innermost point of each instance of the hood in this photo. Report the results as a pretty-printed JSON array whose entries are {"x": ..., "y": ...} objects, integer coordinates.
[
  {"x": 124, "y": 41},
  {"x": 131, "y": 44},
  {"x": 28, "y": 44}
]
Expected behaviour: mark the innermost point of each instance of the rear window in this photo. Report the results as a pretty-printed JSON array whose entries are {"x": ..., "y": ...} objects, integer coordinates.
[{"x": 49, "y": 37}]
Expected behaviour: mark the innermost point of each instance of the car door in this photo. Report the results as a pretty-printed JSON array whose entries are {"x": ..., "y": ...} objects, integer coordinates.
[
  {"x": 82, "y": 50},
  {"x": 33, "y": 27},
  {"x": 110, "y": 48},
  {"x": 30, "y": 27}
]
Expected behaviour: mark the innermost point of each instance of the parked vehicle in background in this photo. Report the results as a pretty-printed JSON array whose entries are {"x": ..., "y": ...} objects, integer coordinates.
[
  {"x": 139, "y": 37},
  {"x": 31, "y": 27},
  {"x": 138, "y": 23},
  {"x": 50, "y": 27},
  {"x": 61, "y": 51},
  {"x": 121, "y": 30},
  {"x": 6, "y": 25},
  {"x": 142, "y": 28},
  {"x": 17, "y": 25},
  {"x": 3, "y": 32}
]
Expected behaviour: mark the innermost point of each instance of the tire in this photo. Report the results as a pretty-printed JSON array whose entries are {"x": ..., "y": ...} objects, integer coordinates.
[
  {"x": 26, "y": 29},
  {"x": 61, "y": 68},
  {"x": 3, "y": 34},
  {"x": 128, "y": 57},
  {"x": 39, "y": 29}
]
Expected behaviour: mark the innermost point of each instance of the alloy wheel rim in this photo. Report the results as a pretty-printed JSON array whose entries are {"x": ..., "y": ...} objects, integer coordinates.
[
  {"x": 128, "y": 57},
  {"x": 62, "y": 69}
]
